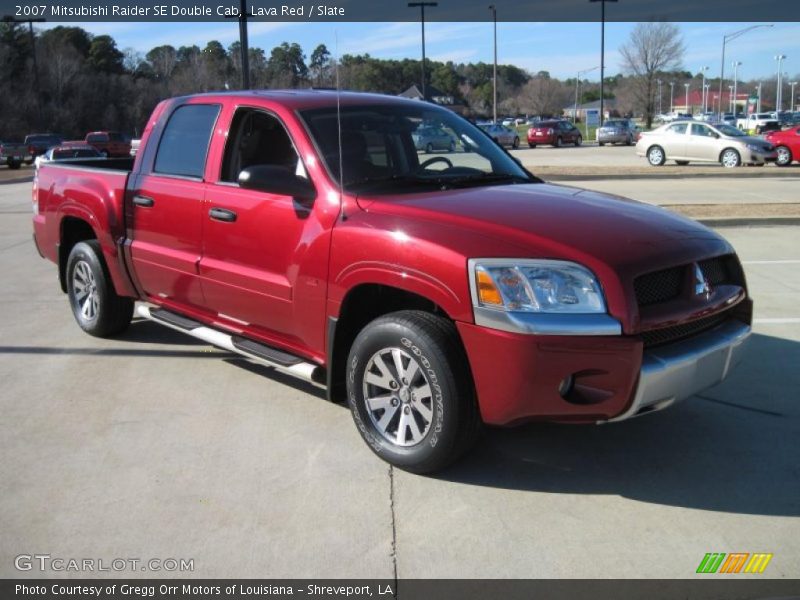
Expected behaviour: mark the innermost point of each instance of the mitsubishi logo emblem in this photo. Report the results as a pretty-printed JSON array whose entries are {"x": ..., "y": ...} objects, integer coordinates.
[{"x": 701, "y": 285}]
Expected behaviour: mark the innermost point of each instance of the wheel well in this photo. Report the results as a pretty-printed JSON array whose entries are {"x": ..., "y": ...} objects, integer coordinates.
[
  {"x": 724, "y": 150},
  {"x": 73, "y": 230},
  {"x": 363, "y": 304}
]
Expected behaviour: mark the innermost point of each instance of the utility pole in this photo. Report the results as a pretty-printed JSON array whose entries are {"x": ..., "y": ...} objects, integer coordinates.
[
  {"x": 671, "y": 96},
  {"x": 577, "y": 84},
  {"x": 659, "y": 96},
  {"x": 704, "y": 103},
  {"x": 422, "y": 6},
  {"x": 779, "y": 92},
  {"x": 729, "y": 38},
  {"x": 736, "y": 65},
  {"x": 30, "y": 22},
  {"x": 493, "y": 8},
  {"x": 792, "y": 84},
  {"x": 245, "y": 52},
  {"x": 602, "y": 54}
]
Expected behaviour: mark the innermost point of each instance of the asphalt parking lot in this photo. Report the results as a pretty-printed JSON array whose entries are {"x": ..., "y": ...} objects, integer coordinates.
[{"x": 153, "y": 445}]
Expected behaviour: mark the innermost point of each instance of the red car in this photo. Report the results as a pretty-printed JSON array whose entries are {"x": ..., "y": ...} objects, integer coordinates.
[
  {"x": 555, "y": 133},
  {"x": 111, "y": 144},
  {"x": 432, "y": 293},
  {"x": 787, "y": 145}
]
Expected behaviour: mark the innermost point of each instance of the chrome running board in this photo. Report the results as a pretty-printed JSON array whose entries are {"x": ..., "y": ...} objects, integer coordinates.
[{"x": 250, "y": 349}]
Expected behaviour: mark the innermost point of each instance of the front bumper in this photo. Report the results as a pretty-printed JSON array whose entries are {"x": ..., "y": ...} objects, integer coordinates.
[
  {"x": 519, "y": 377},
  {"x": 676, "y": 371},
  {"x": 613, "y": 138}
]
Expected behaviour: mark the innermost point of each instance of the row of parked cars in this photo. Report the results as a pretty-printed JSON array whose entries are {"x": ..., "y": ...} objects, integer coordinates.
[{"x": 48, "y": 146}]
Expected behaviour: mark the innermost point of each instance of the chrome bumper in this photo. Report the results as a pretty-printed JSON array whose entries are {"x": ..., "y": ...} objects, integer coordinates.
[{"x": 676, "y": 371}]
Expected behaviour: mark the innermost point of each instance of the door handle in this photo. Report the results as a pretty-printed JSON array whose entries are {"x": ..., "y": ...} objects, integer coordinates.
[
  {"x": 222, "y": 214},
  {"x": 143, "y": 201}
]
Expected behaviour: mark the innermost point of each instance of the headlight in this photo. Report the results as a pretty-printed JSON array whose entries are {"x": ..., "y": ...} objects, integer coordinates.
[
  {"x": 540, "y": 286},
  {"x": 755, "y": 148}
]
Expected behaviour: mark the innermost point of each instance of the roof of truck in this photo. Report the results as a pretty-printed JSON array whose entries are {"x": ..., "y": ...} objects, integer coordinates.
[{"x": 310, "y": 98}]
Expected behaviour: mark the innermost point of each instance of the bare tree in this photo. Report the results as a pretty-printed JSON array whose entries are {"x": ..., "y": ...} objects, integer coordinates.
[
  {"x": 653, "y": 48},
  {"x": 543, "y": 95}
]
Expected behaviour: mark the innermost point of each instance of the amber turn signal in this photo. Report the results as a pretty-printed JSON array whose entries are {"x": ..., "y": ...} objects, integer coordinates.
[{"x": 487, "y": 290}]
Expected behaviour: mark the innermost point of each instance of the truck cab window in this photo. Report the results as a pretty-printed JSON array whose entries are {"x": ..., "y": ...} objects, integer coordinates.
[
  {"x": 258, "y": 138},
  {"x": 184, "y": 144}
]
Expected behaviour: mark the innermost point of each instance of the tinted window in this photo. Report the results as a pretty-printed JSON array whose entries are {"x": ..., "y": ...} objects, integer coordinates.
[
  {"x": 184, "y": 143},
  {"x": 96, "y": 137}
]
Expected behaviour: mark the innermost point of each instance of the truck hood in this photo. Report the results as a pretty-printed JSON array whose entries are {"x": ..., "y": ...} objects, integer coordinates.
[{"x": 605, "y": 232}]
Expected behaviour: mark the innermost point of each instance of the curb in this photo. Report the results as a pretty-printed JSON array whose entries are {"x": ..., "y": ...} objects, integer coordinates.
[{"x": 748, "y": 221}]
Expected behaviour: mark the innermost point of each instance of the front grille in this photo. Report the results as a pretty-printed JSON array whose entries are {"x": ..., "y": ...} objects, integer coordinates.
[
  {"x": 660, "y": 286},
  {"x": 667, "y": 335},
  {"x": 668, "y": 284}
]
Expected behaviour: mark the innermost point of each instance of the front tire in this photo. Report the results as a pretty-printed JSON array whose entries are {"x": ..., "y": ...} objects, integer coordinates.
[
  {"x": 785, "y": 157},
  {"x": 95, "y": 304},
  {"x": 14, "y": 164},
  {"x": 515, "y": 143},
  {"x": 578, "y": 140},
  {"x": 410, "y": 391},
  {"x": 730, "y": 158},
  {"x": 656, "y": 156},
  {"x": 559, "y": 142}
]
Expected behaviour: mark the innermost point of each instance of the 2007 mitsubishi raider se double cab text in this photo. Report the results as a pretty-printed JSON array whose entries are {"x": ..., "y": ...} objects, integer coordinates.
[{"x": 433, "y": 293}]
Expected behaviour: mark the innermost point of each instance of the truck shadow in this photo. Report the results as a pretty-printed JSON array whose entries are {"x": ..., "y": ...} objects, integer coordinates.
[{"x": 733, "y": 448}]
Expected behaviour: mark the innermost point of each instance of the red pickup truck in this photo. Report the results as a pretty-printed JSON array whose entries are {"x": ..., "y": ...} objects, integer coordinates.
[
  {"x": 433, "y": 293},
  {"x": 109, "y": 143}
]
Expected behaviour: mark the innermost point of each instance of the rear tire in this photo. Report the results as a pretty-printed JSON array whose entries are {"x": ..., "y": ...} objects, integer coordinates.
[
  {"x": 410, "y": 391},
  {"x": 601, "y": 143},
  {"x": 559, "y": 142},
  {"x": 95, "y": 304},
  {"x": 515, "y": 143},
  {"x": 578, "y": 140},
  {"x": 14, "y": 164},
  {"x": 531, "y": 145}
]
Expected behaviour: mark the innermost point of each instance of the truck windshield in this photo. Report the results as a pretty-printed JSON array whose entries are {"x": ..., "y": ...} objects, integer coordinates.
[{"x": 396, "y": 148}]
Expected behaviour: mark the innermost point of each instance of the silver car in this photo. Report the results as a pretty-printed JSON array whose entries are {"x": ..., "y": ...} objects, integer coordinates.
[
  {"x": 502, "y": 135},
  {"x": 429, "y": 138},
  {"x": 617, "y": 131},
  {"x": 686, "y": 141}
]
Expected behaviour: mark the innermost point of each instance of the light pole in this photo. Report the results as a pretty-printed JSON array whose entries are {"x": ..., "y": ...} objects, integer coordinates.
[
  {"x": 736, "y": 64},
  {"x": 758, "y": 98},
  {"x": 686, "y": 86},
  {"x": 729, "y": 38},
  {"x": 602, "y": 53},
  {"x": 422, "y": 6},
  {"x": 658, "y": 81},
  {"x": 671, "y": 96},
  {"x": 779, "y": 92},
  {"x": 730, "y": 100},
  {"x": 706, "y": 88},
  {"x": 577, "y": 83},
  {"x": 703, "y": 88},
  {"x": 792, "y": 84},
  {"x": 493, "y": 8}
]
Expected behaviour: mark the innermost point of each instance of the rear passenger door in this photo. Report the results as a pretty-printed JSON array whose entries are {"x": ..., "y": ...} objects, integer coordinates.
[{"x": 167, "y": 212}]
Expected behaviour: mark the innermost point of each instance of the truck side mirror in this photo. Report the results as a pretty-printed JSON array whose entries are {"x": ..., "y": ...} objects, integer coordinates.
[{"x": 276, "y": 180}]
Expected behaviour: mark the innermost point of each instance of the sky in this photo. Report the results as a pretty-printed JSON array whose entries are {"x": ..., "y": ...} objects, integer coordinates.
[{"x": 560, "y": 48}]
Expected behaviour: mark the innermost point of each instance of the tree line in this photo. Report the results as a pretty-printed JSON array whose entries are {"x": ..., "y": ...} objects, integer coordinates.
[{"x": 82, "y": 82}]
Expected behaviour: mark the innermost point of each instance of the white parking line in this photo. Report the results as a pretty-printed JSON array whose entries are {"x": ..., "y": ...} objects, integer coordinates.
[
  {"x": 769, "y": 321},
  {"x": 771, "y": 262}
]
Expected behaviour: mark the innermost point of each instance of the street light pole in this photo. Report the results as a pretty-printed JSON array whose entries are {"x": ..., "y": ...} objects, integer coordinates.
[
  {"x": 729, "y": 38},
  {"x": 736, "y": 64},
  {"x": 243, "y": 43},
  {"x": 577, "y": 83},
  {"x": 602, "y": 54},
  {"x": 422, "y": 6},
  {"x": 730, "y": 100},
  {"x": 671, "y": 96},
  {"x": 658, "y": 81},
  {"x": 686, "y": 85},
  {"x": 758, "y": 98},
  {"x": 493, "y": 8},
  {"x": 792, "y": 84},
  {"x": 779, "y": 93},
  {"x": 703, "y": 89}
]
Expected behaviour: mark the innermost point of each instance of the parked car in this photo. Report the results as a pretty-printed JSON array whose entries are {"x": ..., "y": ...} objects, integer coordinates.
[
  {"x": 302, "y": 231},
  {"x": 555, "y": 133},
  {"x": 39, "y": 143},
  {"x": 686, "y": 141},
  {"x": 13, "y": 154},
  {"x": 618, "y": 131},
  {"x": 508, "y": 122},
  {"x": 109, "y": 143},
  {"x": 428, "y": 139},
  {"x": 787, "y": 145},
  {"x": 66, "y": 153},
  {"x": 502, "y": 135}
]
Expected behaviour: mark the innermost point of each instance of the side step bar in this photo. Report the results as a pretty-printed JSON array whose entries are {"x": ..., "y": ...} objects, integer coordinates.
[{"x": 259, "y": 353}]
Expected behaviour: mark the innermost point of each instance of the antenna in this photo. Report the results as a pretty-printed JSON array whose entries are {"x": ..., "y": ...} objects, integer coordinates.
[{"x": 339, "y": 125}]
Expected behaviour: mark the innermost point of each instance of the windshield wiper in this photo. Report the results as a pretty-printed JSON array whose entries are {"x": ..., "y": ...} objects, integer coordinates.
[{"x": 484, "y": 179}]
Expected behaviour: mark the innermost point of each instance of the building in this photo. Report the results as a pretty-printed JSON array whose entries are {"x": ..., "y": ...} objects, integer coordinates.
[
  {"x": 712, "y": 103},
  {"x": 436, "y": 96},
  {"x": 609, "y": 107}
]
